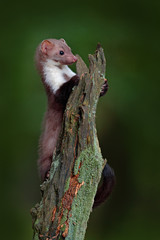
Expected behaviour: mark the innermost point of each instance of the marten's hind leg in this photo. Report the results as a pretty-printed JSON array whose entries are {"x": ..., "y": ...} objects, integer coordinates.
[{"x": 44, "y": 167}]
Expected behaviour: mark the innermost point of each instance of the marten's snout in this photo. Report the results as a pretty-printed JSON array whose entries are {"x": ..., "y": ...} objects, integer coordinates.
[
  {"x": 75, "y": 59},
  {"x": 68, "y": 59}
]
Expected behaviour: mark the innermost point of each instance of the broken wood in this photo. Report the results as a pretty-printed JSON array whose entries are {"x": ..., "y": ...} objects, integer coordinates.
[{"x": 68, "y": 194}]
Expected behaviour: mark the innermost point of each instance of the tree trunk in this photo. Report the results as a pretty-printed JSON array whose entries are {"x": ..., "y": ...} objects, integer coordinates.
[{"x": 68, "y": 195}]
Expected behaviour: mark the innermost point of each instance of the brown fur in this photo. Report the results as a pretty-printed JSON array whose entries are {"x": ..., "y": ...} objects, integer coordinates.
[
  {"x": 51, "y": 129},
  {"x": 49, "y": 49}
]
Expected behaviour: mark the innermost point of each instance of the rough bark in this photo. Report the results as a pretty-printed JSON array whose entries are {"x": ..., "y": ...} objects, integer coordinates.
[{"x": 68, "y": 195}]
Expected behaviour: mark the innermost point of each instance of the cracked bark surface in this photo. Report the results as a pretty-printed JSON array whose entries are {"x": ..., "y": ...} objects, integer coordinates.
[{"x": 68, "y": 195}]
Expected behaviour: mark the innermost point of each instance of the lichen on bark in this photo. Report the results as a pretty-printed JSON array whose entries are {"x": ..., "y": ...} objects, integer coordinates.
[{"x": 68, "y": 194}]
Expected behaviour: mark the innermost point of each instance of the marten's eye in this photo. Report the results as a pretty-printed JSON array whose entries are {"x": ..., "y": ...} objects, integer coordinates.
[{"x": 61, "y": 52}]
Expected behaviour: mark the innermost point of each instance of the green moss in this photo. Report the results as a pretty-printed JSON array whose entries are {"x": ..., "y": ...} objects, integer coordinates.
[
  {"x": 64, "y": 218},
  {"x": 36, "y": 237},
  {"x": 63, "y": 228},
  {"x": 90, "y": 173},
  {"x": 55, "y": 165},
  {"x": 76, "y": 166},
  {"x": 90, "y": 160},
  {"x": 66, "y": 187}
]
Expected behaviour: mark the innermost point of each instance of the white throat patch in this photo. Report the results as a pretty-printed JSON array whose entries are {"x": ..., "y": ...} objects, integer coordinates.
[{"x": 54, "y": 75}]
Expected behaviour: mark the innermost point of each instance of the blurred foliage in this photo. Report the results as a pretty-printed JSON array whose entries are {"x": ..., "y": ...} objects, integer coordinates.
[{"x": 128, "y": 117}]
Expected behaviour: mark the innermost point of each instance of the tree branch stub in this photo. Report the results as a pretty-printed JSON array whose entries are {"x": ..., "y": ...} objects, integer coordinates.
[{"x": 77, "y": 164}]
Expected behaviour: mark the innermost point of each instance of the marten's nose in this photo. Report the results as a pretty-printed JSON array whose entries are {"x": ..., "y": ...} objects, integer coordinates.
[{"x": 75, "y": 59}]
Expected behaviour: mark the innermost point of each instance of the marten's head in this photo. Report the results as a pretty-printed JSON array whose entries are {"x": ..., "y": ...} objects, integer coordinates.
[{"x": 58, "y": 51}]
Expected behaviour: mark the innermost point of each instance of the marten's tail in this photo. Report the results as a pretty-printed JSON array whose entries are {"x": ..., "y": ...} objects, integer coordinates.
[{"x": 106, "y": 188}]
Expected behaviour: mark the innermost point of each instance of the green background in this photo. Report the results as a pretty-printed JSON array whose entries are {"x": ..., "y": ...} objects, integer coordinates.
[{"x": 128, "y": 117}]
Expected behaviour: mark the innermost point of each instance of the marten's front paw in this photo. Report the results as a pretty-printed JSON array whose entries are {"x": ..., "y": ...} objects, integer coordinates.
[
  {"x": 104, "y": 88},
  {"x": 75, "y": 79},
  {"x": 47, "y": 175}
]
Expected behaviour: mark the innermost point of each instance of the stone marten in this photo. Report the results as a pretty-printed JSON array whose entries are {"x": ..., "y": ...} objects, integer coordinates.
[{"x": 52, "y": 59}]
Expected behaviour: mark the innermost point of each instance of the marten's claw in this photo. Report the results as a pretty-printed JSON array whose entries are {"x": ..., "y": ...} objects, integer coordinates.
[
  {"x": 47, "y": 175},
  {"x": 104, "y": 88}
]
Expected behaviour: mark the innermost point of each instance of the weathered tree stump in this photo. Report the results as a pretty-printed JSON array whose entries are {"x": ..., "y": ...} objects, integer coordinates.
[{"x": 68, "y": 195}]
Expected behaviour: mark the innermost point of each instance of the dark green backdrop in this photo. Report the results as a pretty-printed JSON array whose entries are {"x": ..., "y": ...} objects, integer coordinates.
[{"x": 128, "y": 116}]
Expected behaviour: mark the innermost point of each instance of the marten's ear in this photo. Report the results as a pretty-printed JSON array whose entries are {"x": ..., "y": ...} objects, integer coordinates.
[
  {"x": 46, "y": 45},
  {"x": 62, "y": 40}
]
